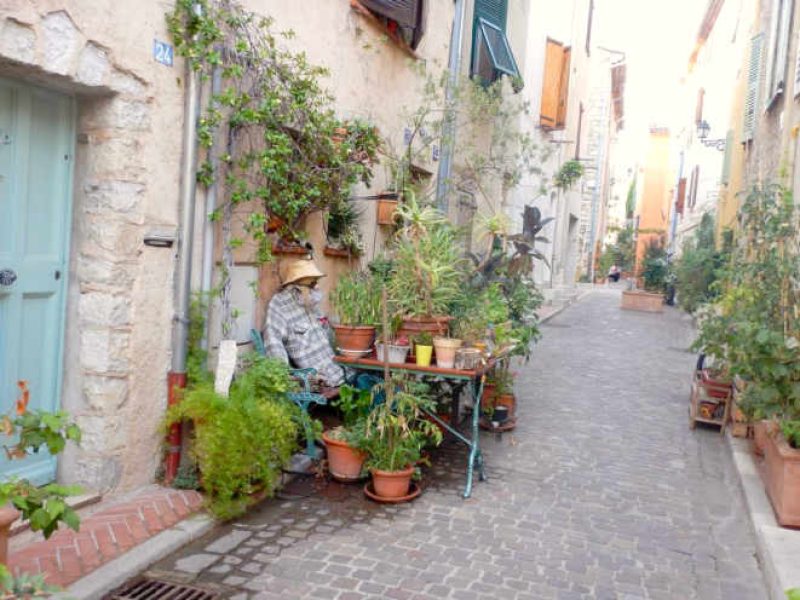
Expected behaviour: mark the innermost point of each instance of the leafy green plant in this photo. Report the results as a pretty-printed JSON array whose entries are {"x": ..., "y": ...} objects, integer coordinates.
[
  {"x": 44, "y": 507},
  {"x": 696, "y": 269},
  {"x": 424, "y": 338},
  {"x": 342, "y": 227},
  {"x": 353, "y": 403},
  {"x": 754, "y": 325},
  {"x": 568, "y": 174},
  {"x": 241, "y": 442},
  {"x": 791, "y": 431},
  {"x": 426, "y": 272},
  {"x": 357, "y": 299},
  {"x": 793, "y": 594},
  {"x": 396, "y": 431},
  {"x": 655, "y": 268},
  {"x": 270, "y": 136},
  {"x": 24, "y": 585}
]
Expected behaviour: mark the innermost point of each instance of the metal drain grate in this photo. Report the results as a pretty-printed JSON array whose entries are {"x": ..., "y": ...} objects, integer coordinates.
[{"x": 150, "y": 589}]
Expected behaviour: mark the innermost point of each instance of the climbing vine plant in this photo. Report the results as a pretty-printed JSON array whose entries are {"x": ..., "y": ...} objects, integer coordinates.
[{"x": 280, "y": 150}]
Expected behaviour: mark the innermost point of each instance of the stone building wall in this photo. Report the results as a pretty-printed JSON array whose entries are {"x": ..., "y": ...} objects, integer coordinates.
[{"x": 127, "y": 151}]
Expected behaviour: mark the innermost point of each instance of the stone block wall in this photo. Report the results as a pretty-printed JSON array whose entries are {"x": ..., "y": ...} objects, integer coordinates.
[{"x": 127, "y": 151}]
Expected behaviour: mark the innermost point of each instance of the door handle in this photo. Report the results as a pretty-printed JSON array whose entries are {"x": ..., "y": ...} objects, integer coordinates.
[{"x": 7, "y": 277}]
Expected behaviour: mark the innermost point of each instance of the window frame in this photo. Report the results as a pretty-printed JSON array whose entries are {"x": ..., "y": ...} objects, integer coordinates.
[{"x": 481, "y": 37}]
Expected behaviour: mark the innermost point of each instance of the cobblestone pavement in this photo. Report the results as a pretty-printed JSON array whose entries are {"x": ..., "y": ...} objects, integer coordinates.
[{"x": 601, "y": 492}]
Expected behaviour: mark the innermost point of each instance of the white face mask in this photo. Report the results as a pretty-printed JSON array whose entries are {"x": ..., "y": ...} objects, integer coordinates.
[{"x": 315, "y": 297}]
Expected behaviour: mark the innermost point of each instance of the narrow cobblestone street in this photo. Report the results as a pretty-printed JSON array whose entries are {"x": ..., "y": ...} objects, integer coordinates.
[{"x": 602, "y": 491}]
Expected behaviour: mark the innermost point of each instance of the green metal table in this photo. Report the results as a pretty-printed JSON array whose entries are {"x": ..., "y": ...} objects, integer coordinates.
[{"x": 472, "y": 379}]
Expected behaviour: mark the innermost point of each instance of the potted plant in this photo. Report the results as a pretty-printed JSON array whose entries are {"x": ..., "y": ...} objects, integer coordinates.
[
  {"x": 397, "y": 348},
  {"x": 423, "y": 348},
  {"x": 395, "y": 434},
  {"x": 654, "y": 274},
  {"x": 446, "y": 351},
  {"x": 356, "y": 301},
  {"x": 426, "y": 271},
  {"x": 345, "y": 458}
]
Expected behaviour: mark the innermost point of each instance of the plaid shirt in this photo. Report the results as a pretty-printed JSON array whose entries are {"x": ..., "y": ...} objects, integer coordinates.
[{"x": 298, "y": 336}]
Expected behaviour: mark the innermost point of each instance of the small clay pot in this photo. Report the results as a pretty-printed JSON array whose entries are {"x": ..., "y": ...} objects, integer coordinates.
[
  {"x": 392, "y": 484},
  {"x": 344, "y": 461}
]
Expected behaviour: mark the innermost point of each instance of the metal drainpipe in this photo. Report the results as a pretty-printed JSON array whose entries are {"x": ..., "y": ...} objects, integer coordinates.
[
  {"x": 176, "y": 378},
  {"x": 211, "y": 205},
  {"x": 449, "y": 128}
]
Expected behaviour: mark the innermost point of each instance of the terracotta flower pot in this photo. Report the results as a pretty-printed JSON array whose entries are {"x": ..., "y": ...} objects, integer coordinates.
[
  {"x": 392, "y": 484},
  {"x": 446, "y": 351},
  {"x": 386, "y": 211},
  {"x": 354, "y": 337},
  {"x": 761, "y": 430},
  {"x": 412, "y": 327},
  {"x": 344, "y": 461},
  {"x": 8, "y": 515},
  {"x": 783, "y": 478}
]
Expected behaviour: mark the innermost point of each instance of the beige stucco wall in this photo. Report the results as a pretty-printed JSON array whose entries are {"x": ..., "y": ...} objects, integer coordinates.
[{"x": 119, "y": 304}]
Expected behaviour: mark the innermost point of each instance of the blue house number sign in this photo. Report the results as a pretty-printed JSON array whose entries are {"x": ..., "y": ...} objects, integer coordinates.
[{"x": 162, "y": 52}]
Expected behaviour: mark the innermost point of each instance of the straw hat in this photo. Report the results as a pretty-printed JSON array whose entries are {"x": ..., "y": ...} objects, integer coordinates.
[{"x": 293, "y": 270}]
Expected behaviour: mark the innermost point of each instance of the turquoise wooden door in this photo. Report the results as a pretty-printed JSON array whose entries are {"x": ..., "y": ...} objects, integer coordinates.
[{"x": 36, "y": 135}]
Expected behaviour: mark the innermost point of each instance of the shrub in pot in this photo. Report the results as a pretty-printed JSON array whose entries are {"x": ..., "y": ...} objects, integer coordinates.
[
  {"x": 423, "y": 348},
  {"x": 343, "y": 443},
  {"x": 396, "y": 432},
  {"x": 426, "y": 276},
  {"x": 356, "y": 301},
  {"x": 446, "y": 351},
  {"x": 241, "y": 442}
]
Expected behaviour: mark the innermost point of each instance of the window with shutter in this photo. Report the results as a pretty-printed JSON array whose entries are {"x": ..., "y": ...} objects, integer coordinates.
[
  {"x": 492, "y": 56},
  {"x": 698, "y": 112},
  {"x": 555, "y": 86},
  {"x": 778, "y": 49},
  {"x": 753, "y": 78},
  {"x": 402, "y": 18},
  {"x": 681, "y": 201},
  {"x": 726, "y": 161},
  {"x": 693, "y": 185},
  {"x": 578, "y": 135}
]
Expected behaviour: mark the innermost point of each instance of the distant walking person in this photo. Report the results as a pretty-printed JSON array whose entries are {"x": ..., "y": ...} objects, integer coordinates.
[{"x": 614, "y": 273}]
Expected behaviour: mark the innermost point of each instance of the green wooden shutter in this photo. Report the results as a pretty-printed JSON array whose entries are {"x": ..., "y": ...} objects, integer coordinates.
[
  {"x": 494, "y": 11},
  {"x": 726, "y": 162},
  {"x": 753, "y": 78}
]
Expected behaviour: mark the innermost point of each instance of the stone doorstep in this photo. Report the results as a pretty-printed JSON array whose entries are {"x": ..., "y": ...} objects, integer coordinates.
[
  {"x": 778, "y": 547},
  {"x": 114, "y": 527},
  {"x": 77, "y": 503}
]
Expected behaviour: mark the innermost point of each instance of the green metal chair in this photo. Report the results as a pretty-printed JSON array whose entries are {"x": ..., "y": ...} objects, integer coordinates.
[{"x": 303, "y": 399}]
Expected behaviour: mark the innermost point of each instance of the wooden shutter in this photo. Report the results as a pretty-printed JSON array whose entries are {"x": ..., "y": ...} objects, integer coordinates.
[
  {"x": 753, "y": 78},
  {"x": 563, "y": 92},
  {"x": 589, "y": 28},
  {"x": 693, "y": 185},
  {"x": 404, "y": 12},
  {"x": 698, "y": 111},
  {"x": 494, "y": 11},
  {"x": 681, "y": 201},
  {"x": 555, "y": 86},
  {"x": 779, "y": 47},
  {"x": 726, "y": 162}
]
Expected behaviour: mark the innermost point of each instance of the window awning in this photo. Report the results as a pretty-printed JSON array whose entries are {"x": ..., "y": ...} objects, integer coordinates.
[{"x": 493, "y": 56}]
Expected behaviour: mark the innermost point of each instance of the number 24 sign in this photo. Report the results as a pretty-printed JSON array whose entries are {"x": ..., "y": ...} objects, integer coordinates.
[{"x": 162, "y": 52}]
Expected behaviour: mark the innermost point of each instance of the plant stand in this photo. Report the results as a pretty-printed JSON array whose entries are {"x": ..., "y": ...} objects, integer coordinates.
[
  {"x": 709, "y": 403},
  {"x": 642, "y": 301}
]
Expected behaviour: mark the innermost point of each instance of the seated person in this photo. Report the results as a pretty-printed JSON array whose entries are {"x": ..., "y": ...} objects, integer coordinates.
[{"x": 295, "y": 329}]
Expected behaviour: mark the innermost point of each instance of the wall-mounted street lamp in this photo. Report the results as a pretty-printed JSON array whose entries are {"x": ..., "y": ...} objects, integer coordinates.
[{"x": 703, "y": 129}]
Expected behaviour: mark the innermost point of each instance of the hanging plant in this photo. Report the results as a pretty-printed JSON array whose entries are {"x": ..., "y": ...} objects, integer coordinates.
[{"x": 568, "y": 174}]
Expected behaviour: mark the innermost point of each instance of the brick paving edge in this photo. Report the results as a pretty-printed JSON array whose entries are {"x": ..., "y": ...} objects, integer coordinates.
[
  {"x": 777, "y": 547},
  {"x": 114, "y": 573}
]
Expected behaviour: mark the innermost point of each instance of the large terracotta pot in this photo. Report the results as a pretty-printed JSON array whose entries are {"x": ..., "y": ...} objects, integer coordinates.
[
  {"x": 392, "y": 484},
  {"x": 412, "y": 327},
  {"x": 783, "y": 478},
  {"x": 354, "y": 337},
  {"x": 8, "y": 515},
  {"x": 344, "y": 461},
  {"x": 761, "y": 430},
  {"x": 642, "y": 301}
]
